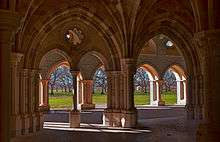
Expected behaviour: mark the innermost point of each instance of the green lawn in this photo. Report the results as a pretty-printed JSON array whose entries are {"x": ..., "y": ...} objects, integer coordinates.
[{"x": 64, "y": 100}]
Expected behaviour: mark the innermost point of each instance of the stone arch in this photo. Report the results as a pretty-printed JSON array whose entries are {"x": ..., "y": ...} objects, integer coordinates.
[
  {"x": 154, "y": 83},
  {"x": 181, "y": 83},
  {"x": 85, "y": 17},
  {"x": 181, "y": 37},
  {"x": 152, "y": 71},
  {"x": 52, "y": 59},
  {"x": 184, "y": 40},
  {"x": 99, "y": 61},
  {"x": 47, "y": 63},
  {"x": 177, "y": 68}
]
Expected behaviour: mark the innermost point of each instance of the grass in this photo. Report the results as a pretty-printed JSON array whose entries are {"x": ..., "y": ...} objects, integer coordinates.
[{"x": 64, "y": 99}]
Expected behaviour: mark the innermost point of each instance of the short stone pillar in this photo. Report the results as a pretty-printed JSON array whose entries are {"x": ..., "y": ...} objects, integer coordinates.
[
  {"x": 45, "y": 95},
  {"x": 74, "y": 119},
  {"x": 87, "y": 95}
]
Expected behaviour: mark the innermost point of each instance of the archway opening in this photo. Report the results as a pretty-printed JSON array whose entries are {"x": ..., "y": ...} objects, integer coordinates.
[
  {"x": 60, "y": 88},
  {"x": 174, "y": 88},
  {"x": 99, "y": 96},
  {"x": 146, "y": 86}
]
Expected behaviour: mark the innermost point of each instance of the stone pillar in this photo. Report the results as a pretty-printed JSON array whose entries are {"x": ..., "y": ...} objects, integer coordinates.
[
  {"x": 159, "y": 91},
  {"x": 129, "y": 112},
  {"x": 15, "y": 117},
  {"x": 181, "y": 92},
  {"x": 115, "y": 99},
  {"x": 24, "y": 100},
  {"x": 74, "y": 116},
  {"x": 87, "y": 95},
  {"x": 8, "y": 24},
  {"x": 154, "y": 93},
  {"x": 208, "y": 43},
  {"x": 31, "y": 115},
  {"x": 120, "y": 108},
  {"x": 45, "y": 95}
]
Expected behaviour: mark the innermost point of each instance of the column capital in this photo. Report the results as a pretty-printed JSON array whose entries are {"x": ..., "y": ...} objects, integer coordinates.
[
  {"x": 160, "y": 81},
  {"x": 9, "y": 20},
  {"x": 74, "y": 72},
  {"x": 45, "y": 80},
  {"x": 87, "y": 81},
  {"x": 128, "y": 65},
  {"x": 16, "y": 57},
  {"x": 113, "y": 72}
]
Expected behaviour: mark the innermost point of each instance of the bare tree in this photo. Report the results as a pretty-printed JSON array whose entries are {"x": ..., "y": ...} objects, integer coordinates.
[
  {"x": 169, "y": 81},
  {"x": 141, "y": 79},
  {"x": 100, "y": 80},
  {"x": 61, "y": 78}
]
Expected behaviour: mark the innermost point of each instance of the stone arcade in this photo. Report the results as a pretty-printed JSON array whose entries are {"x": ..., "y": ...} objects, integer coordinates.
[{"x": 36, "y": 36}]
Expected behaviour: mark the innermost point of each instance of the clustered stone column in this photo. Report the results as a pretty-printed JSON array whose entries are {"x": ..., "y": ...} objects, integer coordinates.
[
  {"x": 16, "y": 123},
  {"x": 45, "y": 94},
  {"x": 9, "y": 22},
  {"x": 209, "y": 45},
  {"x": 120, "y": 100},
  {"x": 25, "y": 114},
  {"x": 74, "y": 116},
  {"x": 87, "y": 95}
]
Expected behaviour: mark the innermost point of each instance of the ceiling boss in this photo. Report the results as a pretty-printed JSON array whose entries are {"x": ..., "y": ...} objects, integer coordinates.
[{"x": 74, "y": 36}]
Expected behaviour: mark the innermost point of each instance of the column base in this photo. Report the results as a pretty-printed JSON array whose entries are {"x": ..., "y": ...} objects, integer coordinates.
[
  {"x": 44, "y": 108},
  {"x": 161, "y": 103},
  {"x": 208, "y": 133},
  {"x": 129, "y": 118},
  {"x": 120, "y": 118},
  {"x": 74, "y": 119},
  {"x": 112, "y": 118},
  {"x": 181, "y": 102},
  {"x": 38, "y": 121},
  {"x": 15, "y": 125},
  {"x": 87, "y": 106},
  {"x": 25, "y": 124}
]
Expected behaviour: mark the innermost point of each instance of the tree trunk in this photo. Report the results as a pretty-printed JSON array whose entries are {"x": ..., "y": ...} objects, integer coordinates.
[
  {"x": 52, "y": 90},
  {"x": 102, "y": 91}
]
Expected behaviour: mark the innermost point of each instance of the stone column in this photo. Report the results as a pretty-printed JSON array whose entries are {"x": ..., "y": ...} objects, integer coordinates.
[
  {"x": 208, "y": 43},
  {"x": 181, "y": 92},
  {"x": 159, "y": 91},
  {"x": 87, "y": 95},
  {"x": 15, "y": 117},
  {"x": 8, "y": 24},
  {"x": 153, "y": 93},
  {"x": 45, "y": 95},
  {"x": 129, "y": 112},
  {"x": 74, "y": 116},
  {"x": 115, "y": 99},
  {"x": 24, "y": 100}
]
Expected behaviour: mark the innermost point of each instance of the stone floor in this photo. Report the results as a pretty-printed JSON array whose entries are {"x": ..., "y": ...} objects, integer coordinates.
[{"x": 161, "y": 124}]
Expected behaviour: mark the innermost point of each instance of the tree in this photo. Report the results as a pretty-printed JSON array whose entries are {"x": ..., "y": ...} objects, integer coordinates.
[
  {"x": 169, "y": 81},
  {"x": 54, "y": 79},
  {"x": 100, "y": 80},
  {"x": 141, "y": 79},
  {"x": 61, "y": 78}
]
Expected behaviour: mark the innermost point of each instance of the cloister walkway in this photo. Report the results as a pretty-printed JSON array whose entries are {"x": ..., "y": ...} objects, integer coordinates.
[{"x": 155, "y": 124}]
